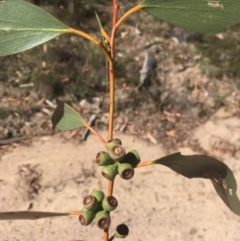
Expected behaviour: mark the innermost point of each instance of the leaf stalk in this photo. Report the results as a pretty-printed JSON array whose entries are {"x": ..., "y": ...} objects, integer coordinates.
[{"x": 92, "y": 39}]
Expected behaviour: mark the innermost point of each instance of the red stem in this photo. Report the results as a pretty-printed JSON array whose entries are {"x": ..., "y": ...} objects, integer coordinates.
[
  {"x": 111, "y": 106},
  {"x": 115, "y": 11},
  {"x": 118, "y": 23}
]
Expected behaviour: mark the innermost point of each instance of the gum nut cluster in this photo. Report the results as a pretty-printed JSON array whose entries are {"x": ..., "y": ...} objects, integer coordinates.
[
  {"x": 116, "y": 161},
  {"x": 96, "y": 208}
]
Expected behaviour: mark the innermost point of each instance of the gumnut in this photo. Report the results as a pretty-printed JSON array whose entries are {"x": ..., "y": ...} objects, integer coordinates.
[
  {"x": 125, "y": 170},
  {"x": 132, "y": 158},
  {"x": 90, "y": 203},
  {"x": 117, "y": 152},
  {"x": 122, "y": 231},
  {"x": 109, "y": 203},
  {"x": 99, "y": 195},
  {"x": 86, "y": 217},
  {"x": 103, "y": 220},
  {"x": 103, "y": 159},
  {"x": 110, "y": 171},
  {"x": 112, "y": 143}
]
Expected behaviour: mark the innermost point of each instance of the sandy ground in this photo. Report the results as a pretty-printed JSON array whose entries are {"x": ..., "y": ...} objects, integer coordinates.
[{"x": 157, "y": 204}]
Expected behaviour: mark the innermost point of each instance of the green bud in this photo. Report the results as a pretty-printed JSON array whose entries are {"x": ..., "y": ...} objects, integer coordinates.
[
  {"x": 103, "y": 159},
  {"x": 110, "y": 171},
  {"x": 103, "y": 220},
  {"x": 125, "y": 170},
  {"x": 86, "y": 217},
  {"x": 109, "y": 203}
]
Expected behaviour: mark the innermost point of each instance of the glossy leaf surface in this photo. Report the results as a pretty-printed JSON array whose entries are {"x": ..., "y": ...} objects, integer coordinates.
[
  {"x": 66, "y": 118},
  {"x": 207, "y": 16},
  {"x": 24, "y": 25},
  {"x": 29, "y": 215},
  {"x": 202, "y": 166}
]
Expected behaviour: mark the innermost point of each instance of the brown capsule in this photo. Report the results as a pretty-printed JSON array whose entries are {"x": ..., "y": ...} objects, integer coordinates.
[
  {"x": 117, "y": 152},
  {"x": 112, "y": 143},
  {"x": 109, "y": 203},
  {"x": 103, "y": 220},
  {"x": 125, "y": 170}
]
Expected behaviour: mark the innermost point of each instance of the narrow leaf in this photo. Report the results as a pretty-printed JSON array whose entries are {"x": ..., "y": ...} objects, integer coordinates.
[
  {"x": 66, "y": 118},
  {"x": 99, "y": 22},
  {"x": 29, "y": 215},
  {"x": 201, "y": 166},
  {"x": 24, "y": 25},
  {"x": 197, "y": 15}
]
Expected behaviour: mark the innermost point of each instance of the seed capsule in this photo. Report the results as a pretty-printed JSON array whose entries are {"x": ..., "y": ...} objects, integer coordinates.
[
  {"x": 86, "y": 217},
  {"x": 90, "y": 203},
  {"x": 109, "y": 203},
  {"x": 102, "y": 220},
  {"x": 126, "y": 171},
  {"x": 117, "y": 152},
  {"x": 122, "y": 231},
  {"x": 112, "y": 143},
  {"x": 99, "y": 195},
  {"x": 132, "y": 158},
  {"x": 110, "y": 172},
  {"x": 103, "y": 159}
]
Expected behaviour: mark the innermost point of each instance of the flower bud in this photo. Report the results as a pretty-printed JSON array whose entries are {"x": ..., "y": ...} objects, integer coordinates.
[
  {"x": 90, "y": 203},
  {"x": 110, "y": 171},
  {"x": 109, "y": 203},
  {"x": 86, "y": 217},
  {"x": 103, "y": 220},
  {"x": 103, "y": 159},
  {"x": 126, "y": 171},
  {"x": 132, "y": 158},
  {"x": 117, "y": 152},
  {"x": 122, "y": 231},
  {"x": 112, "y": 143}
]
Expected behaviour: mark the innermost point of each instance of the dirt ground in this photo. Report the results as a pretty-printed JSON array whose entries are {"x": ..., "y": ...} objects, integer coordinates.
[{"x": 156, "y": 204}]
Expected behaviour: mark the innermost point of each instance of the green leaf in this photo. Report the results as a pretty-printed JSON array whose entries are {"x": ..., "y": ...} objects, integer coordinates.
[
  {"x": 99, "y": 22},
  {"x": 24, "y": 26},
  {"x": 201, "y": 166},
  {"x": 66, "y": 118},
  {"x": 22, "y": 215},
  {"x": 207, "y": 16}
]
